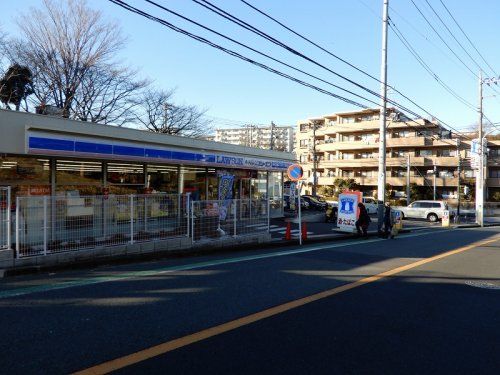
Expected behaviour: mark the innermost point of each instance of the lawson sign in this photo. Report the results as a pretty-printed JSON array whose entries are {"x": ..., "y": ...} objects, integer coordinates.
[{"x": 79, "y": 146}]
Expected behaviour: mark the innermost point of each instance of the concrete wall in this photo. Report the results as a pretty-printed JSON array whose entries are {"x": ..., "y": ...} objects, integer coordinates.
[{"x": 136, "y": 250}]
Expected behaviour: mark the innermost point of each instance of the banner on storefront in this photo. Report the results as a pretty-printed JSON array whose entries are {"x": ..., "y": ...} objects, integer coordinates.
[{"x": 225, "y": 194}]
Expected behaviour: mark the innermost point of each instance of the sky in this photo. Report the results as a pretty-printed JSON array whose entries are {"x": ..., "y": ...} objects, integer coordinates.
[{"x": 238, "y": 92}]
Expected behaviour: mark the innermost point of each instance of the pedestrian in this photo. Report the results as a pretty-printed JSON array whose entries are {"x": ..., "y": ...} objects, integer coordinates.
[
  {"x": 388, "y": 222},
  {"x": 363, "y": 221}
]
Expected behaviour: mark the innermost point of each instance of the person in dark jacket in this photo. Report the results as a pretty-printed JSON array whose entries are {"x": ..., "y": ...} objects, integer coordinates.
[
  {"x": 388, "y": 221},
  {"x": 363, "y": 220}
]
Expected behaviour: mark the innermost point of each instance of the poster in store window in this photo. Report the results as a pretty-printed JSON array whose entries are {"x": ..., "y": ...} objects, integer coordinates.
[{"x": 348, "y": 210}]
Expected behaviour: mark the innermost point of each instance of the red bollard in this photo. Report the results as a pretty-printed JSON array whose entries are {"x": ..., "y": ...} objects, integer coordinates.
[
  {"x": 288, "y": 233},
  {"x": 304, "y": 231}
]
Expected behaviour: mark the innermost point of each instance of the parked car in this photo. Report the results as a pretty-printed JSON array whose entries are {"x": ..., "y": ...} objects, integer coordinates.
[
  {"x": 315, "y": 203},
  {"x": 430, "y": 210},
  {"x": 370, "y": 204}
]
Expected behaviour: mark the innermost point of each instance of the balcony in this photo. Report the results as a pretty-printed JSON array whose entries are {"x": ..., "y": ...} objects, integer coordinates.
[
  {"x": 493, "y": 182},
  {"x": 440, "y": 161},
  {"x": 353, "y": 145},
  {"x": 401, "y": 181},
  {"x": 370, "y": 125},
  {"x": 408, "y": 142}
]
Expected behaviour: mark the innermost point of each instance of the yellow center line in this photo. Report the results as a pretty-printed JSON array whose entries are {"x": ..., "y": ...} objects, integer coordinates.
[{"x": 154, "y": 351}]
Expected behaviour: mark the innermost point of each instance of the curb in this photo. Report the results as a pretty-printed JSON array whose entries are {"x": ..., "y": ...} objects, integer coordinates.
[{"x": 188, "y": 253}]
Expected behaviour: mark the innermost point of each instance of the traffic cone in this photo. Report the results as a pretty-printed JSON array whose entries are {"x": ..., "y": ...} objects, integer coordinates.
[
  {"x": 304, "y": 231},
  {"x": 288, "y": 232}
]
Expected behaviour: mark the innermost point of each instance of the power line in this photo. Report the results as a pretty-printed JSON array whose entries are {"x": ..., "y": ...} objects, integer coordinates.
[
  {"x": 421, "y": 61},
  {"x": 418, "y": 32},
  {"x": 453, "y": 35},
  {"x": 463, "y": 32},
  {"x": 253, "y": 29},
  {"x": 233, "y": 53},
  {"x": 257, "y": 51},
  {"x": 458, "y": 42},
  {"x": 230, "y": 52},
  {"x": 441, "y": 38}
]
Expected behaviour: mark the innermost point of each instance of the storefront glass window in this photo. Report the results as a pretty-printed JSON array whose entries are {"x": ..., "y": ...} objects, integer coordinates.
[
  {"x": 276, "y": 193},
  {"x": 193, "y": 180},
  {"x": 27, "y": 176},
  {"x": 125, "y": 178},
  {"x": 213, "y": 184},
  {"x": 163, "y": 179},
  {"x": 78, "y": 177}
]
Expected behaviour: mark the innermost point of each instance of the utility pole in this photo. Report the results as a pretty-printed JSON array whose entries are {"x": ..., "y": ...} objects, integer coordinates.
[
  {"x": 315, "y": 177},
  {"x": 383, "y": 119},
  {"x": 408, "y": 169},
  {"x": 434, "y": 173},
  {"x": 457, "y": 218},
  {"x": 480, "y": 174}
]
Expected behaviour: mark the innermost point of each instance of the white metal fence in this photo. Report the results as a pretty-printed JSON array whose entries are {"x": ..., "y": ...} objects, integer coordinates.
[
  {"x": 47, "y": 224},
  {"x": 5, "y": 230},
  {"x": 233, "y": 217},
  {"x": 53, "y": 224}
]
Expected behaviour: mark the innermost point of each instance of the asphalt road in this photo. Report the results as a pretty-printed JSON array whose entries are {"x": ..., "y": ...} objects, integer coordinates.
[{"x": 252, "y": 312}]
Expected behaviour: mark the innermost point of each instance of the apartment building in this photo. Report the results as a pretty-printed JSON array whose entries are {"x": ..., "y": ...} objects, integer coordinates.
[
  {"x": 281, "y": 137},
  {"x": 346, "y": 145}
]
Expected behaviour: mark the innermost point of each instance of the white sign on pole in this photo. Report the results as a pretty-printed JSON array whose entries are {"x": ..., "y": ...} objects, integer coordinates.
[
  {"x": 348, "y": 211},
  {"x": 474, "y": 154},
  {"x": 445, "y": 221}
]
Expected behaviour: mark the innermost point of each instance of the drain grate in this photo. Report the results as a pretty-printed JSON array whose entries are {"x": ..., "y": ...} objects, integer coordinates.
[{"x": 483, "y": 284}]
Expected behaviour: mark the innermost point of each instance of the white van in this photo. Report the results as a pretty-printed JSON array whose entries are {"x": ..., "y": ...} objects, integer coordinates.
[{"x": 370, "y": 204}]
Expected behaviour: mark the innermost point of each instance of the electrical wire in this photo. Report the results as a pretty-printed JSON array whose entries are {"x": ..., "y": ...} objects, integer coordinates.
[
  {"x": 441, "y": 38},
  {"x": 251, "y": 28},
  {"x": 165, "y": 23},
  {"x": 257, "y": 51},
  {"x": 233, "y": 53},
  {"x": 453, "y": 35},
  {"x": 427, "y": 68},
  {"x": 472, "y": 44}
]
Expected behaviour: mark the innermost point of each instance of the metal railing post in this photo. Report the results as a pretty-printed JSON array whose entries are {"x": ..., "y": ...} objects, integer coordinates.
[
  {"x": 179, "y": 211},
  {"x": 131, "y": 218},
  {"x": 268, "y": 215},
  {"x": 17, "y": 228},
  {"x": 192, "y": 222},
  {"x": 45, "y": 225},
  {"x": 9, "y": 244},
  {"x": 234, "y": 217},
  {"x": 189, "y": 212},
  {"x": 145, "y": 213}
]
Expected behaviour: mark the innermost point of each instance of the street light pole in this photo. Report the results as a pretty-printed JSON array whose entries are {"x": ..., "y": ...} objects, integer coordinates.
[{"x": 383, "y": 120}]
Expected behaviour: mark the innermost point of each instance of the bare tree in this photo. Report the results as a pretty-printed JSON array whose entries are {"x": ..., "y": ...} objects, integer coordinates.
[
  {"x": 108, "y": 95},
  {"x": 157, "y": 113},
  {"x": 61, "y": 44}
]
